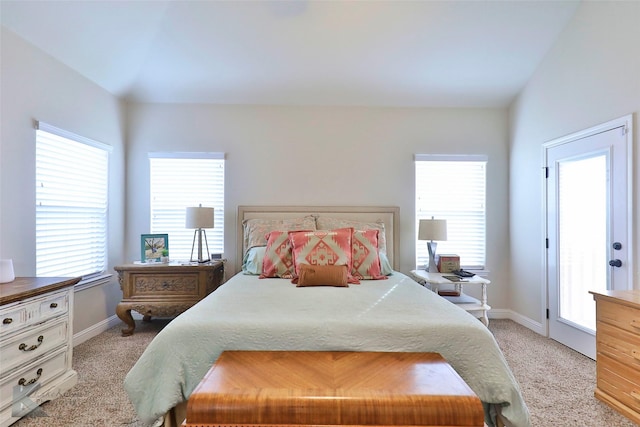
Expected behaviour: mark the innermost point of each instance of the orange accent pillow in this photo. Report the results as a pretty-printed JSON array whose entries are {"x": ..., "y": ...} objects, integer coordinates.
[
  {"x": 322, "y": 275},
  {"x": 326, "y": 247}
]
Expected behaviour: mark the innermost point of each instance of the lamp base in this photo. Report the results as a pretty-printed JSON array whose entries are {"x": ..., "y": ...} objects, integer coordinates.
[
  {"x": 432, "y": 267},
  {"x": 199, "y": 233}
]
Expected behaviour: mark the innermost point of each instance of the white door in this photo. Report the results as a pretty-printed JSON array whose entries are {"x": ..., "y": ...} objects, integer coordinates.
[{"x": 588, "y": 196}]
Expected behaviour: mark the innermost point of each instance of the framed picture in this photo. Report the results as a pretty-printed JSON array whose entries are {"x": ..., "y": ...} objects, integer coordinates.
[{"x": 152, "y": 246}]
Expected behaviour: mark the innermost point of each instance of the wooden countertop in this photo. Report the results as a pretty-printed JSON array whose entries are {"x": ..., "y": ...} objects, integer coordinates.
[
  {"x": 27, "y": 287},
  {"x": 627, "y": 297}
]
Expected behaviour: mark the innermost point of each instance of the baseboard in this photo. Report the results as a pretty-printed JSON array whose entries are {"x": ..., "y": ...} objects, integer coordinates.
[
  {"x": 499, "y": 313},
  {"x": 519, "y": 318},
  {"x": 95, "y": 330}
]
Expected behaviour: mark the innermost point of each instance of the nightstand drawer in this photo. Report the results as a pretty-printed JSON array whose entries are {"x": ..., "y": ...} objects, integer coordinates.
[{"x": 165, "y": 284}]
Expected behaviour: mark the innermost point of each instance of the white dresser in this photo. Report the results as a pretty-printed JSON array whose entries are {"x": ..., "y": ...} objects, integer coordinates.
[{"x": 36, "y": 334}]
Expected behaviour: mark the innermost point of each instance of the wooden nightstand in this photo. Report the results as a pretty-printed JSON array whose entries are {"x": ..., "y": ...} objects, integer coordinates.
[
  {"x": 466, "y": 302},
  {"x": 164, "y": 290}
]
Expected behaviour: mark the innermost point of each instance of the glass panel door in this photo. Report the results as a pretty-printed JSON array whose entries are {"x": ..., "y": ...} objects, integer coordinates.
[{"x": 582, "y": 237}]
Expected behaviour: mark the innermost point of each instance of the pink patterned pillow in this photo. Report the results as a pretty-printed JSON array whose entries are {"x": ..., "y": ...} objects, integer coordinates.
[
  {"x": 365, "y": 258},
  {"x": 327, "y": 247},
  {"x": 278, "y": 258}
]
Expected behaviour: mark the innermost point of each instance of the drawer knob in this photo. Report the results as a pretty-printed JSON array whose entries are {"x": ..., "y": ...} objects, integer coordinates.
[
  {"x": 635, "y": 394},
  {"x": 7, "y": 320},
  {"x": 635, "y": 354},
  {"x": 53, "y": 305},
  {"x": 23, "y": 381},
  {"x": 24, "y": 346},
  {"x": 635, "y": 323}
]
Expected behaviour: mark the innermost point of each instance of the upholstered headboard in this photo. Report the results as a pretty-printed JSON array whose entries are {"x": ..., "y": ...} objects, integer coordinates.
[{"x": 389, "y": 215}]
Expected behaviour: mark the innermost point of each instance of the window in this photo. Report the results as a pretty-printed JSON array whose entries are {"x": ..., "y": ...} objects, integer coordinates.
[
  {"x": 180, "y": 180},
  {"x": 72, "y": 175},
  {"x": 453, "y": 188}
]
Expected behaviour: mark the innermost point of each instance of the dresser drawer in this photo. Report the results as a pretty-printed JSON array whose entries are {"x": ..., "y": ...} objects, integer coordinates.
[
  {"x": 18, "y": 315},
  {"x": 619, "y": 381},
  {"x": 622, "y": 316},
  {"x": 618, "y": 344},
  {"x": 146, "y": 285},
  {"x": 27, "y": 380},
  {"x": 28, "y": 346},
  {"x": 12, "y": 318}
]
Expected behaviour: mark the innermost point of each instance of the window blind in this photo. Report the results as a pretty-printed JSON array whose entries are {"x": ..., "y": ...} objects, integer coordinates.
[
  {"x": 180, "y": 180},
  {"x": 71, "y": 203},
  {"x": 453, "y": 188}
]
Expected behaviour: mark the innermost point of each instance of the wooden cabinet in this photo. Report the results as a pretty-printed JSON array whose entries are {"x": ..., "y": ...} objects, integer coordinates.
[
  {"x": 36, "y": 343},
  {"x": 618, "y": 351},
  {"x": 164, "y": 290}
]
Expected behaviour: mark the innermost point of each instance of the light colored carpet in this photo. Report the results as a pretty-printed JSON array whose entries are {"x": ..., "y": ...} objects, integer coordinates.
[
  {"x": 557, "y": 383},
  {"x": 99, "y": 398}
]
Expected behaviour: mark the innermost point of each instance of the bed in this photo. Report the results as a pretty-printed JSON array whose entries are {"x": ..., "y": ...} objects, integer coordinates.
[{"x": 377, "y": 309}]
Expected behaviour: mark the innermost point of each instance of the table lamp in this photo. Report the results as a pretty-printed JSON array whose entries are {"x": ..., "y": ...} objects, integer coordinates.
[
  {"x": 199, "y": 218},
  {"x": 432, "y": 229}
]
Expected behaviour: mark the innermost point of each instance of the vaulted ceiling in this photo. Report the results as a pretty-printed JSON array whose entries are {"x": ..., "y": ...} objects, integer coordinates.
[{"x": 414, "y": 53}]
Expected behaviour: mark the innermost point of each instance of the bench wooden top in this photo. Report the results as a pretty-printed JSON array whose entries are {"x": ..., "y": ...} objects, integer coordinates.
[{"x": 333, "y": 388}]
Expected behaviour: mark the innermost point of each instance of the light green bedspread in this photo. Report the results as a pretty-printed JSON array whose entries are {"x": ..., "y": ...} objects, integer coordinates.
[{"x": 248, "y": 313}]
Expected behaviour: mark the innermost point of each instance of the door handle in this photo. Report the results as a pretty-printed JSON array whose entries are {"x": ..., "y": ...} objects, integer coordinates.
[{"x": 615, "y": 263}]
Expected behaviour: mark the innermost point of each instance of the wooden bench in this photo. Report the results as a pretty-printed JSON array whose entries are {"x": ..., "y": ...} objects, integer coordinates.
[{"x": 302, "y": 388}]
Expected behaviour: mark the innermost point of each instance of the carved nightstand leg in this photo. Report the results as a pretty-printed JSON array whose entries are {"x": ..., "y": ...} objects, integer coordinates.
[
  {"x": 124, "y": 313},
  {"x": 146, "y": 318}
]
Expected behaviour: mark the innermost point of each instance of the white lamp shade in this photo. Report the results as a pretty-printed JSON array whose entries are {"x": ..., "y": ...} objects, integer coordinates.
[
  {"x": 199, "y": 217},
  {"x": 432, "y": 229}
]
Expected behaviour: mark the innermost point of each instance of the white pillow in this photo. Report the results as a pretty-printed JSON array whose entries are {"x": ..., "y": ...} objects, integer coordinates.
[
  {"x": 252, "y": 262},
  {"x": 385, "y": 265}
]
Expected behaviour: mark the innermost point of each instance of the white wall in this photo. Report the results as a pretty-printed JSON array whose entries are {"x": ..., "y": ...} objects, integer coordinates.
[
  {"x": 275, "y": 155},
  {"x": 322, "y": 156},
  {"x": 36, "y": 87},
  {"x": 591, "y": 76}
]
